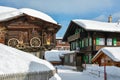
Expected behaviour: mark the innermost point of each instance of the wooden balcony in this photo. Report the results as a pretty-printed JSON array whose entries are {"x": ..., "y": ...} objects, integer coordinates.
[
  {"x": 73, "y": 37},
  {"x": 101, "y": 46}
]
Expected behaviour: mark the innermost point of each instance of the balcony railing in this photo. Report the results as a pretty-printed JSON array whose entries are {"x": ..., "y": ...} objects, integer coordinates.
[{"x": 74, "y": 37}]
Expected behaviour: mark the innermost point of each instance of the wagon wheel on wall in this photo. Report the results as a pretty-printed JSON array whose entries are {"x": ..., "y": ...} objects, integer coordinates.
[
  {"x": 35, "y": 42},
  {"x": 13, "y": 42}
]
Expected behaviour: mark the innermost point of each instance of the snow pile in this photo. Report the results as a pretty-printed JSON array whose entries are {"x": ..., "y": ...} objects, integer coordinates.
[
  {"x": 55, "y": 77},
  {"x": 97, "y": 25},
  {"x": 113, "y": 73},
  {"x": 16, "y": 61},
  {"x": 7, "y": 13},
  {"x": 66, "y": 69},
  {"x": 54, "y": 55}
]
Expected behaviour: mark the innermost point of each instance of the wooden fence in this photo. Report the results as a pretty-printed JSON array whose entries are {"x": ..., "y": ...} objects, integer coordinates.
[{"x": 28, "y": 76}]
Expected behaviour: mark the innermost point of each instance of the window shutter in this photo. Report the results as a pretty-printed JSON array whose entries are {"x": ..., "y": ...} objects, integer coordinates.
[
  {"x": 114, "y": 41},
  {"x": 97, "y": 41}
]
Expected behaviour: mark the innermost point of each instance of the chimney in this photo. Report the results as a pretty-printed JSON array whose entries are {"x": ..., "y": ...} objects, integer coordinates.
[{"x": 110, "y": 19}]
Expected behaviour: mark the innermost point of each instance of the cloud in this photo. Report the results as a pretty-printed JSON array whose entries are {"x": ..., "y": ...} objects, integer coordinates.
[
  {"x": 101, "y": 18},
  {"x": 115, "y": 17},
  {"x": 63, "y": 6}
]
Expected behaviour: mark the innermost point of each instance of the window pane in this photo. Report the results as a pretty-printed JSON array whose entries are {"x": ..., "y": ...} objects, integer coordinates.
[
  {"x": 100, "y": 41},
  {"x": 86, "y": 42},
  {"x": 90, "y": 41},
  {"x": 82, "y": 43},
  {"x": 109, "y": 41}
]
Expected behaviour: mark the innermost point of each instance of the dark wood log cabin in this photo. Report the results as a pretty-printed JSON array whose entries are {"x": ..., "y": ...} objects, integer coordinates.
[
  {"x": 28, "y": 33},
  {"x": 89, "y": 36}
]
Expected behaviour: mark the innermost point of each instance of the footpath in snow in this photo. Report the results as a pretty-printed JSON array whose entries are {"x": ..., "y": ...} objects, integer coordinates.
[{"x": 69, "y": 73}]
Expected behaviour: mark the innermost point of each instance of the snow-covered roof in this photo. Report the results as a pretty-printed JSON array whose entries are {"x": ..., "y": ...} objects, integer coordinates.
[
  {"x": 9, "y": 13},
  {"x": 112, "y": 52},
  {"x": 59, "y": 37},
  {"x": 97, "y": 25},
  {"x": 54, "y": 55},
  {"x": 37, "y": 14},
  {"x": 4, "y": 9},
  {"x": 16, "y": 61}
]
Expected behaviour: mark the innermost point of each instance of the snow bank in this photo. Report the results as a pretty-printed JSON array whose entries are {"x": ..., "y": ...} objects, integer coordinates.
[
  {"x": 16, "y": 61},
  {"x": 55, "y": 77},
  {"x": 113, "y": 73}
]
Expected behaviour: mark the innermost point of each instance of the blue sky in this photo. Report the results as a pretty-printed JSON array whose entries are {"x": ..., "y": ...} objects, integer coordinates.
[{"x": 63, "y": 11}]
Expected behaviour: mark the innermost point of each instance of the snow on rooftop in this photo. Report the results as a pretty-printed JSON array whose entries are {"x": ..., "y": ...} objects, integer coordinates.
[
  {"x": 112, "y": 52},
  {"x": 54, "y": 55},
  {"x": 37, "y": 14},
  {"x": 4, "y": 9},
  {"x": 59, "y": 37},
  {"x": 10, "y": 15},
  {"x": 7, "y": 13},
  {"x": 97, "y": 25},
  {"x": 16, "y": 61}
]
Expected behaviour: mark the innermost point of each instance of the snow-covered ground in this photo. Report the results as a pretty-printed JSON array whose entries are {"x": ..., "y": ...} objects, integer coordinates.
[{"x": 69, "y": 73}]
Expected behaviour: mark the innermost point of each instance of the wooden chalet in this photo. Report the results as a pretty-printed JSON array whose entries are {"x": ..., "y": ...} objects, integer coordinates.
[
  {"x": 109, "y": 56},
  {"x": 28, "y": 30},
  {"x": 87, "y": 37}
]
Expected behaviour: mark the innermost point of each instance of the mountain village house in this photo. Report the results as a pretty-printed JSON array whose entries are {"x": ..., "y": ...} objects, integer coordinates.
[
  {"x": 87, "y": 37},
  {"x": 60, "y": 45},
  {"x": 27, "y": 29},
  {"x": 109, "y": 56}
]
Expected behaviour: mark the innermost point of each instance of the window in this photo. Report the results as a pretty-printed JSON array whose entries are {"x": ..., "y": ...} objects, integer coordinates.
[
  {"x": 114, "y": 41},
  {"x": 82, "y": 43},
  {"x": 100, "y": 41},
  {"x": 109, "y": 41},
  {"x": 77, "y": 44},
  {"x": 73, "y": 45},
  {"x": 76, "y": 31},
  {"x": 90, "y": 41},
  {"x": 86, "y": 42}
]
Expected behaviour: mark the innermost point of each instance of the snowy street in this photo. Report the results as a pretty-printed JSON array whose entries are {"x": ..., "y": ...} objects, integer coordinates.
[{"x": 68, "y": 73}]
